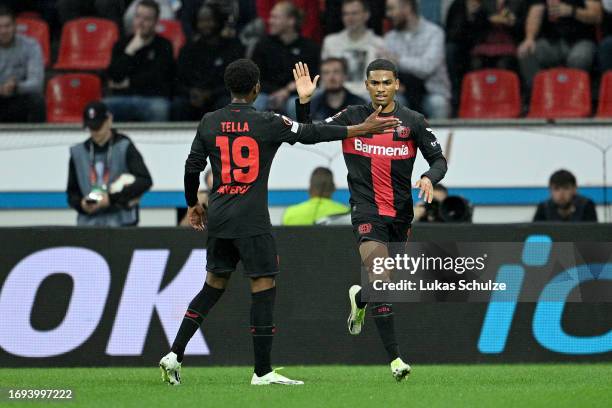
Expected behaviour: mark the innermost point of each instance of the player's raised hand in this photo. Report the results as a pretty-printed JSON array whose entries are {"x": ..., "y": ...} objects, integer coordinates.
[
  {"x": 304, "y": 85},
  {"x": 197, "y": 217},
  {"x": 426, "y": 187}
]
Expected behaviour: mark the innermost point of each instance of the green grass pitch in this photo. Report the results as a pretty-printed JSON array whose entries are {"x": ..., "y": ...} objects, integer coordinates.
[{"x": 545, "y": 385}]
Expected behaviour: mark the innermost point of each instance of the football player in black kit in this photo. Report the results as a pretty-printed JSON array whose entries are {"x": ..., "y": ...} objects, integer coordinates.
[
  {"x": 379, "y": 178},
  {"x": 241, "y": 143}
]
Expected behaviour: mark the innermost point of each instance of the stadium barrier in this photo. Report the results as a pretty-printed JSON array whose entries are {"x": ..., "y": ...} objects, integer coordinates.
[{"x": 100, "y": 297}]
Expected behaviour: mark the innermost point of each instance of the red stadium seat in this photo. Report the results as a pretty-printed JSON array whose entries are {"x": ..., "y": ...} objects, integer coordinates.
[
  {"x": 39, "y": 30},
  {"x": 173, "y": 32},
  {"x": 68, "y": 94},
  {"x": 87, "y": 44},
  {"x": 561, "y": 93},
  {"x": 605, "y": 96},
  {"x": 489, "y": 94}
]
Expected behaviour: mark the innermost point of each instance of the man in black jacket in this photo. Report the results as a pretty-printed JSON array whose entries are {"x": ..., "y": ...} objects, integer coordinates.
[
  {"x": 141, "y": 72},
  {"x": 201, "y": 65},
  {"x": 107, "y": 175},
  {"x": 277, "y": 53},
  {"x": 564, "y": 203}
]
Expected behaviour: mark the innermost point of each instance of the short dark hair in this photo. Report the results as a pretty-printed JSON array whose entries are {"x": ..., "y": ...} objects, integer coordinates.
[
  {"x": 322, "y": 182},
  {"x": 364, "y": 3},
  {"x": 342, "y": 62},
  {"x": 7, "y": 11},
  {"x": 381, "y": 65},
  {"x": 294, "y": 12},
  {"x": 562, "y": 178},
  {"x": 241, "y": 76},
  {"x": 151, "y": 4}
]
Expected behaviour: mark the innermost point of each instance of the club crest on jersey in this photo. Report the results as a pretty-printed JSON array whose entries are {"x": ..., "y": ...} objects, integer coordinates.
[
  {"x": 403, "y": 131},
  {"x": 365, "y": 228}
]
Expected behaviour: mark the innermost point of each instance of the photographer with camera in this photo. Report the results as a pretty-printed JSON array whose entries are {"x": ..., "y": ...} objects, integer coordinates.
[
  {"x": 444, "y": 208},
  {"x": 107, "y": 175}
]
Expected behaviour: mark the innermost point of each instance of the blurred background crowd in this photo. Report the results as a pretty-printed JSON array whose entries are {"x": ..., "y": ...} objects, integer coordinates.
[{"x": 163, "y": 60}]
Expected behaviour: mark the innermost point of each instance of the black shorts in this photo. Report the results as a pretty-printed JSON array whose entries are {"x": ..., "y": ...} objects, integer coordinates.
[
  {"x": 369, "y": 227},
  {"x": 258, "y": 255}
]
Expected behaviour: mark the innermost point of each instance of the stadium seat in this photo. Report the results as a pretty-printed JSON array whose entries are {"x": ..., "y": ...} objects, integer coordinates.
[
  {"x": 561, "y": 93},
  {"x": 490, "y": 93},
  {"x": 68, "y": 94},
  {"x": 173, "y": 32},
  {"x": 605, "y": 96},
  {"x": 87, "y": 44},
  {"x": 39, "y": 30}
]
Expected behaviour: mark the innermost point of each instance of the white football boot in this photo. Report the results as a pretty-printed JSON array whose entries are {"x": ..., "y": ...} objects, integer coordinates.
[
  {"x": 274, "y": 378},
  {"x": 399, "y": 369},
  {"x": 356, "y": 319},
  {"x": 170, "y": 369}
]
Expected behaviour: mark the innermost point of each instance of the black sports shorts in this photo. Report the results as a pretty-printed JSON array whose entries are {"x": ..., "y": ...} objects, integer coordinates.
[
  {"x": 257, "y": 253},
  {"x": 371, "y": 227}
]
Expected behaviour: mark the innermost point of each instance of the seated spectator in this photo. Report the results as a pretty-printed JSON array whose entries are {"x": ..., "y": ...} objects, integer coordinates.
[
  {"x": 309, "y": 9},
  {"x": 334, "y": 97},
  {"x": 106, "y": 175},
  {"x": 201, "y": 66},
  {"x": 332, "y": 17},
  {"x": 21, "y": 74},
  {"x": 605, "y": 47},
  {"x": 277, "y": 54},
  {"x": 141, "y": 71},
  {"x": 481, "y": 34},
  {"x": 71, "y": 9},
  {"x": 236, "y": 15},
  {"x": 417, "y": 46},
  {"x": 320, "y": 204},
  {"x": 564, "y": 203},
  {"x": 559, "y": 33},
  {"x": 357, "y": 44},
  {"x": 166, "y": 12}
]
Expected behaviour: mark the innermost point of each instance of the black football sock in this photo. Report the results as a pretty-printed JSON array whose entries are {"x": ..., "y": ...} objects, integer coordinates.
[
  {"x": 197, "y": 310},
  {"x": 262, "y": 329},
  {"x": 383, "y": 317},
  {"x": 358, "y": 301}
]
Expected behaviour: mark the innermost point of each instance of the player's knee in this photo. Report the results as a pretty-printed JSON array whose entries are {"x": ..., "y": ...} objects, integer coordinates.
[
  {"x": 262, "y": 283},
  {"x": 216, "y": 281}
]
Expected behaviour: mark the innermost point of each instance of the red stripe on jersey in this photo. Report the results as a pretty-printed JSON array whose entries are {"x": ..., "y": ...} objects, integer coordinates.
[{"x": 382, "y": 150}]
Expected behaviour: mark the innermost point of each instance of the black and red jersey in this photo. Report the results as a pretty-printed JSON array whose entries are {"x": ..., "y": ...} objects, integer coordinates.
[
  {"x": 241, "y": 143},
  {"x": 380, "y": 165}
]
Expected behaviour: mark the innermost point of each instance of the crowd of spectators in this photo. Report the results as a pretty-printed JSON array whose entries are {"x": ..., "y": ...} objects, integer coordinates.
[{"x": 434, "y": 43}]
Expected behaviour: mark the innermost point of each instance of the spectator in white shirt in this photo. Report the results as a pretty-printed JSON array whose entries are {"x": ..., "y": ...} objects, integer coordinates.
[
  {"x": 356, "y": 44},
  {"x": 417, "y": 46}
]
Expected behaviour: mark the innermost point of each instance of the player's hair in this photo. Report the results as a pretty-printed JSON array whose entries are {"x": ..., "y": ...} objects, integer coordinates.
[
  {"x": 562, "y": 178},
  {"x": 152, "y": 5},
  {"x": 364, "y": 3},
  {"x": 294, "y": 12},
  {"x": 7, "y": 11},
  {"x": 241, "y": 76},
  {"x": 381, "y": 65},
  {"x": 342, "y": 62},
  {"x": 322, "y": 182}
]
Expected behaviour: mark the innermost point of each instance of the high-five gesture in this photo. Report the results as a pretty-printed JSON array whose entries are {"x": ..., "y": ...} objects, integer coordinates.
[{"x": 304, "y": 85}]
